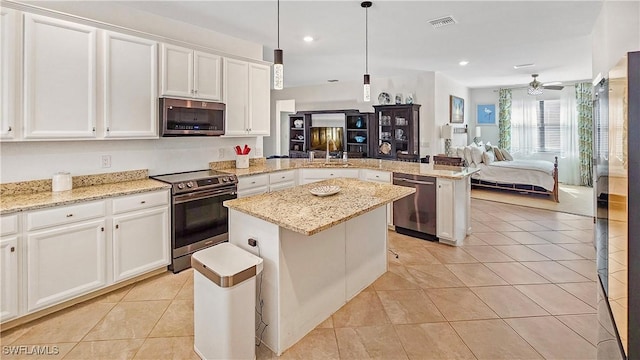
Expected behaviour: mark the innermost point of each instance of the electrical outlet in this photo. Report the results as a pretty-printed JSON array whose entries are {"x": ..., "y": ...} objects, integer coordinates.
[
  {"x": 106, "y": 161},
  {"x": 221, "y": 153}
]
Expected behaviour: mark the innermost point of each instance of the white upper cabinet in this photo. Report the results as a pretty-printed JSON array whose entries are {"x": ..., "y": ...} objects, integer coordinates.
[
  {"x": 247, "y": 96},
  {"x": 206, "y": 76},
  {"x": 130, "y": 86},
  {"x": 59, "y": 78},
  {"x": 8, "y": 53},
  {"x": 189, "y": 73}
]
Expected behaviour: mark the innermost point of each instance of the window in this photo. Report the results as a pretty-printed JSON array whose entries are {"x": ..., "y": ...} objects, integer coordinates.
[{"x": 548, "y": 126}]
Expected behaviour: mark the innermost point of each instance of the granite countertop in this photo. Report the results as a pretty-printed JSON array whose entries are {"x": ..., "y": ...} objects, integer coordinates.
[
  {"x": 23, "y": 202},
  {"x": 273, "y": 165},
  {"x": 298, "y": 210}
]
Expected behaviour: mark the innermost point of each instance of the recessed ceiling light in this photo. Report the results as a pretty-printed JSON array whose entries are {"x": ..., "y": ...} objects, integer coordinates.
[
  {"x": 308, "y": 38},
  {"x": 332, "y": 80},
  {"x": 463, "y": 63},
  {"x": 522, "y": 66}
]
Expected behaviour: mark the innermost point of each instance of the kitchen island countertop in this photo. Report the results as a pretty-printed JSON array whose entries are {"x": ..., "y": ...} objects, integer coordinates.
[{"x": 296, "y": 209}]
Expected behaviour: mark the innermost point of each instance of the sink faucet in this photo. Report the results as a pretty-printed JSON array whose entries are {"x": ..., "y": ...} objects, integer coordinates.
[{"x": 328, "y": 142}]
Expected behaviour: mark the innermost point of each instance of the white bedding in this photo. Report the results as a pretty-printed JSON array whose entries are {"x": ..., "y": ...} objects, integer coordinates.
[{"x": 530, "y": 172}]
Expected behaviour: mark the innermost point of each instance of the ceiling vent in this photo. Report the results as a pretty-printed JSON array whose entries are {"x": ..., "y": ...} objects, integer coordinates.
[{"x": 443, "y": 21}]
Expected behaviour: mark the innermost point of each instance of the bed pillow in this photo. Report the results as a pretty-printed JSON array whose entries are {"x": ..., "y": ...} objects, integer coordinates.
[
  {"x": 467, "y": 155},
  {"x": 476, "y": 155},
  {"x": 506, "y": 155},
  {"x": 498, "y": 153},
  {"x": 488, "y": 157}
]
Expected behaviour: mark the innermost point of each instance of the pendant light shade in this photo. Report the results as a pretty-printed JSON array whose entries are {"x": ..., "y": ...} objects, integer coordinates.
[
  {"x": 367, "y": 81},
  {"x": 278, "y": 66}
]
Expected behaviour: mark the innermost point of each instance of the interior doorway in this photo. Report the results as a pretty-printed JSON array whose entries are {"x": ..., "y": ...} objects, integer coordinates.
[{"x": 284, "y": 108}]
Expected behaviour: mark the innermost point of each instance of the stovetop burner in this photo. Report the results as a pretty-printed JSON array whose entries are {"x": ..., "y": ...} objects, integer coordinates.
[{"x": 190, "y": 181}]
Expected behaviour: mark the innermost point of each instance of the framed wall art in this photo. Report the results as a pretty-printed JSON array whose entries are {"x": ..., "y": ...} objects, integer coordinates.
[
  {"x": 456, "y": 110},
  {"x": 486, "y": 115}
]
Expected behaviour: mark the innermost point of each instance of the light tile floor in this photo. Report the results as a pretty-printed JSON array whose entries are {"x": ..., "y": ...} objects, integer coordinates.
[{"x": 522, "y": 287}]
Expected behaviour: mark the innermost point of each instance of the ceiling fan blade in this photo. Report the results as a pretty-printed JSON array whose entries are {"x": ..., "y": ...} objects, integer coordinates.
[{"x": 553, "y": 87}]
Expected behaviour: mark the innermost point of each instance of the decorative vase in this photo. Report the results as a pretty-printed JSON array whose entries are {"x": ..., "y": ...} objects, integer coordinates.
[
  {"x": 409, "y": 99},
  {"x": 298, "y": 123},
  {"x": 359, "y": 123},
  {"x": 398, "y": 98}
]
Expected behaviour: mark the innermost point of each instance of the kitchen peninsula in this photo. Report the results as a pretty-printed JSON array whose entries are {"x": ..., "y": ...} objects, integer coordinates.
[{"x": 318, "y": 251}]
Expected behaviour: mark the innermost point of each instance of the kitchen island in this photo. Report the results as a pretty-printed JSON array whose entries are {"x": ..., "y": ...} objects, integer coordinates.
[{"x": 319, "y": 251}]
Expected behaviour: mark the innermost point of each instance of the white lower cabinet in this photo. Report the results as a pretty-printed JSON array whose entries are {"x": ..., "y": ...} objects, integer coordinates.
[
  {"x": 313, "y": 175},
  {"x": 8, "y": 277},
  {"x": 140, "y": 242},
  {"x": 253, "y": 185},
  {"x": 451, "y": 210},
  {"x": 53, "y": 255},
  {"x": 282, "y": 180},
  {"x": 64, "y": 262}
]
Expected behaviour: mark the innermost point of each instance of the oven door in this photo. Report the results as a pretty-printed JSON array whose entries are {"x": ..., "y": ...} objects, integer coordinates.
[{"x": 199, "y": 220}]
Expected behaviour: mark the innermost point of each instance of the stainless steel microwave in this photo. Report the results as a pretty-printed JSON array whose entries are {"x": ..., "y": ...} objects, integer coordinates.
[{"x": 179, "y": 117}]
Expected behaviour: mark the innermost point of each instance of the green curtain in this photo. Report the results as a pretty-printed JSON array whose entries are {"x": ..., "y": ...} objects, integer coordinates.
[
  {"x": 585, "y": 131},
  {"x": 504, "y": 121}
]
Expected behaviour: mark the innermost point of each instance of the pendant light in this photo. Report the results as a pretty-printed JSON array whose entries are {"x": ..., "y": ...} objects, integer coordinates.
[
  {"x": 278, "y": 67},
  {"x": 367, "y": 81}
]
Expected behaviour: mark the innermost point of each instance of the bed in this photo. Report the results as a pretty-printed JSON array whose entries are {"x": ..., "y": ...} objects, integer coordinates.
[{"x": 530, "y": 176}]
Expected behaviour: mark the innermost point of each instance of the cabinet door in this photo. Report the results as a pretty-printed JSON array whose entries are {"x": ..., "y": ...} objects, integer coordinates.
[
  {"x": 206, "y": 76},
  {"x": 130, "y": 89},
  {"x": 8, "y": 277},
  {"x": 141, "y": 242},
  {"x": 8, "y": 53},
  {"x": 176, "y": 71},
  {"x": 259, "y": 99},
  {"x": 444, "y": 209},
  {"x": 65, "y": 262},
  {"x": 236, "y": 95},
  {"x": 59, "y": 78}
]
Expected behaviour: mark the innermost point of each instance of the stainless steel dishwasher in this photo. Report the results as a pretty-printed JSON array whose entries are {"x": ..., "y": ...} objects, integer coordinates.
[{"x": 415, "y": 215}]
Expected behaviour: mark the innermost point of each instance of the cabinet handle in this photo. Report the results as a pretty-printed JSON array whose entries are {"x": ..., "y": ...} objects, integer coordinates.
[
  {"x": 253, "y": 182},
  {"x": 69, "y": 215},
  {"x": 192, "y": 91},
  {"x": 94, "y": 129},
  {"x": 330, "y": 174},
  {"x": 108, "y": 130},
  {"x": 143, "y": 202},
  {"x": 282, "y": 177},
  {"x": 10, "y": 129},
  {"x": 102, "y": 229},
  {"x": 196, "y": 91},
  {"x": 117, "y": 226},
  {"x": 13, "y": 249}
]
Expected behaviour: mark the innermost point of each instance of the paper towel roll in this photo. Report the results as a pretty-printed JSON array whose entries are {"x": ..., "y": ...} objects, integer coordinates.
[{"x": 61, "y": 181}]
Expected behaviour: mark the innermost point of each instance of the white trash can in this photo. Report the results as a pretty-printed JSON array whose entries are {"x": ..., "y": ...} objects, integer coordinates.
[{"x": 224, "y": 301}]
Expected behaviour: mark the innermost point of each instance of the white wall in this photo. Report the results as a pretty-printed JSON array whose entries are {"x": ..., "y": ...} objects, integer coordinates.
[
  {"x": 39, "y": 160},
  {"x": 111, "y": 12},
  {"x": 616, "y": 32},
  {"x": 348, "y": 95},
  {"x": 444, "y": 87}
]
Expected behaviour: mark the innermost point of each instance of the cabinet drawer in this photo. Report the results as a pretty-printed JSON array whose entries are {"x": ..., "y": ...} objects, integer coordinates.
[
  {"x": 142, "y": 201},
  {"x": 281, "y": 186},
  {"x": 65, "y": 215},
  {"x": 329, "y": 173},
  {"x": 282, "y": 176},
  {"x": 8, "y": 225},
  {"x": 251, "y": 182},
  {"x": 375, "y": 175}
]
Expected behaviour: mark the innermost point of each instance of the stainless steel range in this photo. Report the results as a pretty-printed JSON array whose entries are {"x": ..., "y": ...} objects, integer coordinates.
[{"x": 198, "y": 219}]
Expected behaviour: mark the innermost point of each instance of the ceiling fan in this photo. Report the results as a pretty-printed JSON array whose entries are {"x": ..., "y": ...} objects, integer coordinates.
[{"x": 535, "y": 87}]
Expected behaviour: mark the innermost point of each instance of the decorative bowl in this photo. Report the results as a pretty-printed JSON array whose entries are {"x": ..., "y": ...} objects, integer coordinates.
[
  {"x": 325, "y": 190},
  {"x": 360, "y": 139}
]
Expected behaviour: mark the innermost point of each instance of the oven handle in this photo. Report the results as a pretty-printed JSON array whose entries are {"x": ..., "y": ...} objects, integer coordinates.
[
  {"x": 201, "y": 195},
  {"x": 413, "y": 181}
]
